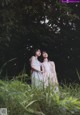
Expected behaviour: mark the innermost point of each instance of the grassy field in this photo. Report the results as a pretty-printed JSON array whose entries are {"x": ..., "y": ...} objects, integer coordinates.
[{"x": 20, "y": 99}]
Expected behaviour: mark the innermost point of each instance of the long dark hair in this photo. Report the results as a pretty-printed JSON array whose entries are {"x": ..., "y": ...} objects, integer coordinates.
[
  {"x": 35, "y": 50},
  {"x": 33, "y": 53}
]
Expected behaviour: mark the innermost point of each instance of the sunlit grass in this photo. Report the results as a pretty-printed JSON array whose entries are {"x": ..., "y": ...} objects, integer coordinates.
[{"x": 20, "y": 99}]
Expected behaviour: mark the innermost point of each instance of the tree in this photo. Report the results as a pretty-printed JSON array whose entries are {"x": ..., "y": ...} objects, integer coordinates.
[{"x": 28, "y": 24}]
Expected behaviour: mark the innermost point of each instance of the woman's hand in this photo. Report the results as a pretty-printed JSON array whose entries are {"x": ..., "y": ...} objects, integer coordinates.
[{"x": 41, "y": 72}]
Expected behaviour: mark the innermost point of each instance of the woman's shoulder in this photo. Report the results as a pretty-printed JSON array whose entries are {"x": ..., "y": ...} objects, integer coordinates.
[
  {"x": 52, "y": 62},
  {"x": 32, "y": 58}
]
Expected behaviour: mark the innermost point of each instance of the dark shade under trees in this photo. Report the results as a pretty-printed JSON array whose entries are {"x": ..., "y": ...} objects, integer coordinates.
[{"x": 46, "y": 24}]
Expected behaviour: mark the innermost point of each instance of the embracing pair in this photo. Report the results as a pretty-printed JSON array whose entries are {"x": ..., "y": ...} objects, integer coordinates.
[{"x": 42, "y": 72}]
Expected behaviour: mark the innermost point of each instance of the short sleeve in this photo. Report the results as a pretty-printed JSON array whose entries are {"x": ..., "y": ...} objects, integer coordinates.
[{"x": 33, "y": 61}]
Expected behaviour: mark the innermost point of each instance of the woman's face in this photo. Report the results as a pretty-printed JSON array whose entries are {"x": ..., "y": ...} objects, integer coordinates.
[
  {"x": 45, "y": 55},
  {"x": 38, "y": 53}
]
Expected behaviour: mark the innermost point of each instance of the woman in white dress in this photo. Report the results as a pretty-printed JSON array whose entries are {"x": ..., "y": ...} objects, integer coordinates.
[
  {"x": 49, "y": 72},
  {"x": 36, "y": 73}
]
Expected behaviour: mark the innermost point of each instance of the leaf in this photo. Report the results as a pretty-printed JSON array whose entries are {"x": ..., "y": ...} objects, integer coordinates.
[{"x": 31, "y": 103}]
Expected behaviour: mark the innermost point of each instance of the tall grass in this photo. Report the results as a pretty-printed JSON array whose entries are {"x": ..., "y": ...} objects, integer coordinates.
[{"x": 20, "y": 99}]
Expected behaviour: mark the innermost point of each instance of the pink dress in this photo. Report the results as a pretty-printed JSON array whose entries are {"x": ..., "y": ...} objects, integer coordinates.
[{"x": 49, "y": 73}]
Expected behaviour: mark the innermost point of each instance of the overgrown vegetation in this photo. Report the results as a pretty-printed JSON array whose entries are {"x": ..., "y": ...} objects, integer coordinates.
[
  {"x": 20, "y": 99},
  {"x": 47, "y": 24}
]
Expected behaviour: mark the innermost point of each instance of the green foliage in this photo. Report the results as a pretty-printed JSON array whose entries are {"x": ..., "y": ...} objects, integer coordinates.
[
  {"x": 23, "y": 27},
  {"x": 20, "y": 99}
]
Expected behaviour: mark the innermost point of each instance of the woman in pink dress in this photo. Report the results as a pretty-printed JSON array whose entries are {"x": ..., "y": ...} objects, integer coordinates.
[{"x": 49, "y": 72}]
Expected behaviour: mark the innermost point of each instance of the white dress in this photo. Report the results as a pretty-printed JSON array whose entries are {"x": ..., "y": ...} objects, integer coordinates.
[
  {"x": 36, "y": 76},
  {"x": 49, "y": 73}
]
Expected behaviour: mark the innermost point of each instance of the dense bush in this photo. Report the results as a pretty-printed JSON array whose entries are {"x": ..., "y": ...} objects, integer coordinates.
[{"x": 20, "y": 99}]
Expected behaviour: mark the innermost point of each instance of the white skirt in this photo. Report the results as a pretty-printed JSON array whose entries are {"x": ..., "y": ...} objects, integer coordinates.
[{"x": 37, "y": 79}]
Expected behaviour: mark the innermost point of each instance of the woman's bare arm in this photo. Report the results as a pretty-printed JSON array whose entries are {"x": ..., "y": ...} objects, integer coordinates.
[
  {"x": 33, "y": 64},
  {"x": 54, "y": 71},
  {"x": 42, "y": 67}
]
